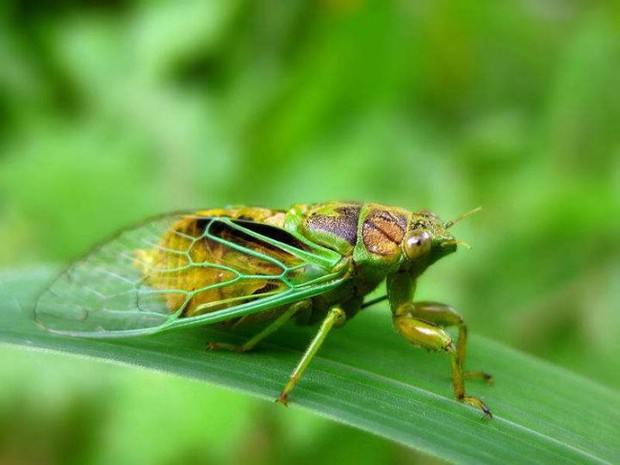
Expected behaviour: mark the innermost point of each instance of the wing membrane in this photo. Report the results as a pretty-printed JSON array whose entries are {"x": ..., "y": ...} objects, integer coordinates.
[{"x": 183, "y": 270}]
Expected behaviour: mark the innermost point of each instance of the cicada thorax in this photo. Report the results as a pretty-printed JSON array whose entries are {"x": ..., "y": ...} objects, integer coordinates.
[
  {"x": 371, "y": 233},
  {"x": 334, "y": 225},
  {"x": 207, "y": 265}
]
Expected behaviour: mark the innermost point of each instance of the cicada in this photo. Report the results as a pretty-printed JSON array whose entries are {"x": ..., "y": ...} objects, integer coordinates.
[{"x": 247, "y": 266}]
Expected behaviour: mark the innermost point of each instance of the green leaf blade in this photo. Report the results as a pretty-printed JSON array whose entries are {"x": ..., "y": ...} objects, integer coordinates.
[{"x": 367, "y": 377}]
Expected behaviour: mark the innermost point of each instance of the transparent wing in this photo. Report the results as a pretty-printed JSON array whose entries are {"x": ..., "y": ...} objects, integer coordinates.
[{"x": 183, "y": 270}]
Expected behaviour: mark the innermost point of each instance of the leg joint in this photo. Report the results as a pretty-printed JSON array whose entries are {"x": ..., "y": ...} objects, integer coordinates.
[{"x": 338, "y": 313}]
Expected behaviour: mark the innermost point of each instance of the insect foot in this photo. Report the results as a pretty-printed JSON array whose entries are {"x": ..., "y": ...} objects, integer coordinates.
[
  {"x": 477, "y": 403},
  {"x": 283, "y": 399}
]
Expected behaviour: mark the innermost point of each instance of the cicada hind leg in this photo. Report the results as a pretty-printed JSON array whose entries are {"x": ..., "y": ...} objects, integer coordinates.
[{"x": 335, "y": 317}]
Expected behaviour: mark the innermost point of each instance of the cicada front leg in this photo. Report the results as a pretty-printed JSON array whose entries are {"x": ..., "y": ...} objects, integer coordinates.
[
  {"x": 445, "y": 315},
  {"x": 419, "y": 324},
  {"x": 273, "y": 327}
]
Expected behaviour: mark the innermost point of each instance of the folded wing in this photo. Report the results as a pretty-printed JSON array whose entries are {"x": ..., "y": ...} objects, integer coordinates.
[{"x": 184, "y": 270}]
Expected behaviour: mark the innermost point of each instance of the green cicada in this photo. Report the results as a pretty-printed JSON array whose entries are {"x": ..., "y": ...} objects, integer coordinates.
[{"x": 240, "y": 266}]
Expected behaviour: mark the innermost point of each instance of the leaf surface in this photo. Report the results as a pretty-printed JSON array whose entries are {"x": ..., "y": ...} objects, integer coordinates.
[{"x": 368, "y": 377}]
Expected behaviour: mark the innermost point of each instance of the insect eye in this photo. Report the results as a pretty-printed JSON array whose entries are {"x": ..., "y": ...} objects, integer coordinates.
[{"x": 417, "y": 243}]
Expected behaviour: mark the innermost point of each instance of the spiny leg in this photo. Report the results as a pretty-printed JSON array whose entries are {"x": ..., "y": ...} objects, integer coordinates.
[
  {"x": 445, "y": 315},
  {"x": 273, "y": 326},
  {"x": 335, "y": 316},
  {"x": 423, "y": 333}
]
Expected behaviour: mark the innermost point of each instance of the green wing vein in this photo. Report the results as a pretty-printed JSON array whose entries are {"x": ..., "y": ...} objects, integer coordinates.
[{"x": 184, "y": 270}]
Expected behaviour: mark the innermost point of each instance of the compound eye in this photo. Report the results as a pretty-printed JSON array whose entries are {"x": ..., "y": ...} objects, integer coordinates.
[{"x": 417, "y": 244}]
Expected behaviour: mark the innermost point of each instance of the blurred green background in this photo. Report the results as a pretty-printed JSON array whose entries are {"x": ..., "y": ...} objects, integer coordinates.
[{"x": 114, "y": 111}]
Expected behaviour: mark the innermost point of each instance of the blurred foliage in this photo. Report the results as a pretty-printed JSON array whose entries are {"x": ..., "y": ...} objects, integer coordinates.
[{"x": 113, "y": 111}]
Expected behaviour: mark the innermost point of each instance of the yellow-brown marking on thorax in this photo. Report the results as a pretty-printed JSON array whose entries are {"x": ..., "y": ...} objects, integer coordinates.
[{"x": 383, "y": 231}]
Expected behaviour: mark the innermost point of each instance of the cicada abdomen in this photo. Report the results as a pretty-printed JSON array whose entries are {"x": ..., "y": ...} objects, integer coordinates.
[{"x": 218, "y": 264}]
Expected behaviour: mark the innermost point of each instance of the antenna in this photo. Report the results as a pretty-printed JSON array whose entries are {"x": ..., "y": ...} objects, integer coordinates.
[{"x": 449, "y": 224}]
